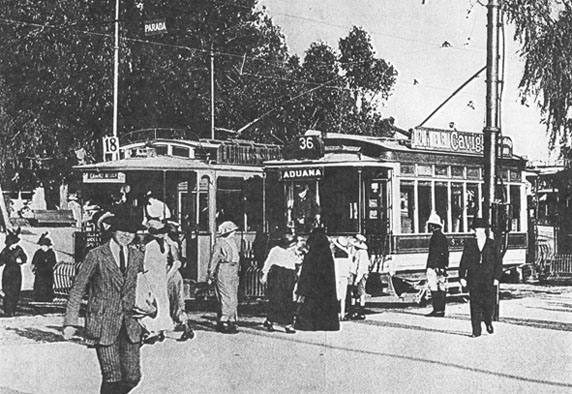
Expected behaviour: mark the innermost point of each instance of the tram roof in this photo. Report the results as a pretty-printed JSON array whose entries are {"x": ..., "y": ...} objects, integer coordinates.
[{"x": 157, "y": 163}]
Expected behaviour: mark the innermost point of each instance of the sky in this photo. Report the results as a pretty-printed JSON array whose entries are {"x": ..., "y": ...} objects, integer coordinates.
[{"x": 411, "y": 36}]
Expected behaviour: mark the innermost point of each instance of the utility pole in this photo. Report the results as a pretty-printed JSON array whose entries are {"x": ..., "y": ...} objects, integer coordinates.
[
  {"x": 492, "y": 129},
  {"x": 212, "y": 95},
  {"x": 116, "y": 69}
]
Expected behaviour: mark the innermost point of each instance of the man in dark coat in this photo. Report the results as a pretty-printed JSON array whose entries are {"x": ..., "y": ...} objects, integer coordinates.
[
  {"x": 437, "y": 263},
  {"x": 480, "y": 270},
  {"x": 110, "y": 272}
]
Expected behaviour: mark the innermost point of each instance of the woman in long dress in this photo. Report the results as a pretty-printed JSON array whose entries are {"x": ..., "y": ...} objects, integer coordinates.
[
  {"x": 279, "y": 273},
  {"x": 317, "y": 295},
  {"x": 43, "y": 264},
  {"x": 155, "y": 265},
  {"x": 12, "y": 256}
]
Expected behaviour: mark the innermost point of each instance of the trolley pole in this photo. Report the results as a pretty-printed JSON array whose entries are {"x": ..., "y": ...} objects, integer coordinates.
[
  {"x": 116, "y": 69},
  {"x": 491, "y": 130}
]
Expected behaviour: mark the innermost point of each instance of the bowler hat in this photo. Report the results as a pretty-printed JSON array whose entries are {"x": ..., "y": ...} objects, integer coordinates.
[
  {"x": 125, "y": 223},
  {"x": 480, "y": 223}
]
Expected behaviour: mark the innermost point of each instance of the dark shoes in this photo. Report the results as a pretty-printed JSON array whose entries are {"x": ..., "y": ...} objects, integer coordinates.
[
  {"x": 152, "y": 338},
  {"x": 268, "y": 325},
  {"x": 490, "y": 328},
  {"x": 289, "y": 330},
  {"x": 227, "y": 328},
  {"x": 436, "y": 314},
  {"x": 188, "y": 333},
  {"x": 475, "y": 335}
]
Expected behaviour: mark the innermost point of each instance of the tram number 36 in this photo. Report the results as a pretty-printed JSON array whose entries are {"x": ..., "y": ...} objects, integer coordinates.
[{"x": 306, "y": 143}]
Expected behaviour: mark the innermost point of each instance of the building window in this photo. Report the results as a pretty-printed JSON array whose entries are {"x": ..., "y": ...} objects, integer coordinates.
[
  {"x": 424, "y": 170},
  {"x": 425, "y": 204},
  {"x": 408, "y": 169},
  {"x": 457, "y": 172},
  {"x": 441, "y": 170},
  {"x": 457, "y": 208},
  {"x": 442, "y": 203},
  {"x": 473, "y": 173}
]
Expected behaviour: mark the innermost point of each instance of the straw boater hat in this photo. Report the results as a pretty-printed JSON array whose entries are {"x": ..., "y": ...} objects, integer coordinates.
[
  {"x": 360, "y": 241},
  {"x": 434, "y": 219},
  {"x": 157, "y": 227},
  {"x": 342, "y": 243},
  {"x": 226, "y": 228}
]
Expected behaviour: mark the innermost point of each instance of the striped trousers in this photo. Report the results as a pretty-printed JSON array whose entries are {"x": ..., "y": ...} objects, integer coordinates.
[{"x": 120, "y": 362}]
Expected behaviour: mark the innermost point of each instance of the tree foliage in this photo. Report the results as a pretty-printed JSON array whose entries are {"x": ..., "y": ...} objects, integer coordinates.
[
  {"x": 544, "y": 27},
  {"x": 56, "y": 75}
]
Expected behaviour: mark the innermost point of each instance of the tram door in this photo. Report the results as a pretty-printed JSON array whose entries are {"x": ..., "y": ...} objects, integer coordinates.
[{"x": 377, "y": 214}]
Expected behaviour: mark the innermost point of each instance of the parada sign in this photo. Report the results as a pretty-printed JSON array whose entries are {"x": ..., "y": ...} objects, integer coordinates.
[{"x": 156, "y": 26}]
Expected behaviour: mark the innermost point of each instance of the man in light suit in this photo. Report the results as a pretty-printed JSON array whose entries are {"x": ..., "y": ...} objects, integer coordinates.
[{"x": 110, "y": 273}]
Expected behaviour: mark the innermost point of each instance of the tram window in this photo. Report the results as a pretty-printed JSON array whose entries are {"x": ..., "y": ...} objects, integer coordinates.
[
  {"x": 424, "y": 204},
  {"x": 442, "y": 203},
  {"x": 473, "y": 173},
  {"x": 408, "y": 169},
  {"x": 424, "y": 170},
  {"x": 472, "y": 201},
  {"x": 457, "y": 172},
  {"x": 162, "y": 150},
  {"x": 441, "y": 170},
  {"x": 339, "y": 196},
  {"x": 407, "y": 205},
  {"x": 515, "y": 205},
  {"x": 514, "y": 176},
  {"x": 180, "y": 151},
  {"x": 203, "y": 224},
  {"x": 505, "y": 174},
  {"x": 457, "y": 208},
  {"x": 229, "y": 200}
]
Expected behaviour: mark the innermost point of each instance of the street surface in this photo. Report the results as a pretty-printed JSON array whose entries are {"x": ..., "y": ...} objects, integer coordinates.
[{"x": 395, "y": 350}]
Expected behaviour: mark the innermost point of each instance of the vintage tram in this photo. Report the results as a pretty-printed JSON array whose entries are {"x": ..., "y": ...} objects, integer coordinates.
[
  {"x": 386, "y": 188},
  {"x": 197, "y": 183}
]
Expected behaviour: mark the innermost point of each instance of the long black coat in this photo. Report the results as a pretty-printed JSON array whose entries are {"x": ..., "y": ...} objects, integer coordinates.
[
  {"x": 475, "y": 271},
  {"x": 438, "y": 251},
  {"x": 43, "y": 264},
  {"x": 317, "y": 283}
]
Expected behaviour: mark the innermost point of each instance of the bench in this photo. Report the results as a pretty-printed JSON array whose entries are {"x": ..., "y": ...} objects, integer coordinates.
[
  {"x": 59, "y": 217},
  {"x": 559, "y": 266}
]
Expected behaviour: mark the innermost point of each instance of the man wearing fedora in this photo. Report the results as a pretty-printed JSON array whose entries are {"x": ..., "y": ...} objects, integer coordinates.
[
  {"x": 437, "y": 263},
  {"x": 110, "y": 273},
  {"x": 223, "y": 272},
  {"x": 480, "y": 270}
]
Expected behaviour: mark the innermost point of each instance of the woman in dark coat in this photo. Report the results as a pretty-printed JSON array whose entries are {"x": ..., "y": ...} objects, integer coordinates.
[
  {"x": 318, "y": 310},
  {"x": 12, "y": 256},
  {"x": 43, "y": 264}
]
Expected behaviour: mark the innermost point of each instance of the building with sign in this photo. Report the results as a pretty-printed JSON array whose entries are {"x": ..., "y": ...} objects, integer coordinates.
[
  {"x": 386, "y": 188},
  {"x": 199, "y": 182}
]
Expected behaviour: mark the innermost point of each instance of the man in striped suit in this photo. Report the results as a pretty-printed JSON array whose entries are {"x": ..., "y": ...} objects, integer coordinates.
[{"x": 110, "y": 273}]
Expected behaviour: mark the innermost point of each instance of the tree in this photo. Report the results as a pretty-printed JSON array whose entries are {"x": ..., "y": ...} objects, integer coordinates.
[{"x": 544, "y": 28}]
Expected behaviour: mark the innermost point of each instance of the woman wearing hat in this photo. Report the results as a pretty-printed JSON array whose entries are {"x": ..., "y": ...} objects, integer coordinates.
[
  {"x": 437, "y": 263},
  {"x": 360, "y": 271},
  {"x": 342, "y": 260},
  {"x": 12, "y": 256},
  {"x": 223, "y": 272},
  {"x": 155, "y": 264},
  {"x": 480, "y": 270},
  {"x": 279, "y": 273},
  {"x": 43, "y": 264}
]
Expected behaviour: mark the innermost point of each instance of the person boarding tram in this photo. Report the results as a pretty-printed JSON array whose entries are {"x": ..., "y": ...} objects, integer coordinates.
[{"x": 437, "y": 263}]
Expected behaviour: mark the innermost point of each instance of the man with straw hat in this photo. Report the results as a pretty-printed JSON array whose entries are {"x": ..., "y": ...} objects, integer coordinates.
[
  {"x": 437, "y": 263},
  {"x": 223, "y": 272}
]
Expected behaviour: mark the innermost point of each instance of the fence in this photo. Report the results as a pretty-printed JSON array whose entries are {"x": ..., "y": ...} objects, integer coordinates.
[{"x": 64, "y": 274}]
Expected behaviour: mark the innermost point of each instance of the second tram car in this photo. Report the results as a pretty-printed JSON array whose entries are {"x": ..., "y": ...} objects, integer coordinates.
[{"x": 386, "y": 188}]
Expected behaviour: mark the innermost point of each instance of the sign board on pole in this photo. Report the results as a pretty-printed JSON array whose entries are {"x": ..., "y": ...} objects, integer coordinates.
[
  {"x": 155, "y": 27},
  {"x": 111, "y": 147}
]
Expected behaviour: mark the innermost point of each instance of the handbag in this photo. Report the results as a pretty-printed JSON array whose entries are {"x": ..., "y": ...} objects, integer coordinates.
[{"x": 145, "y": 301}]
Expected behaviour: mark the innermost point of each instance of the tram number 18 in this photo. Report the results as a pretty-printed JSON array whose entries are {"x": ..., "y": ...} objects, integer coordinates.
[{"x": 110, "y": 145}]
